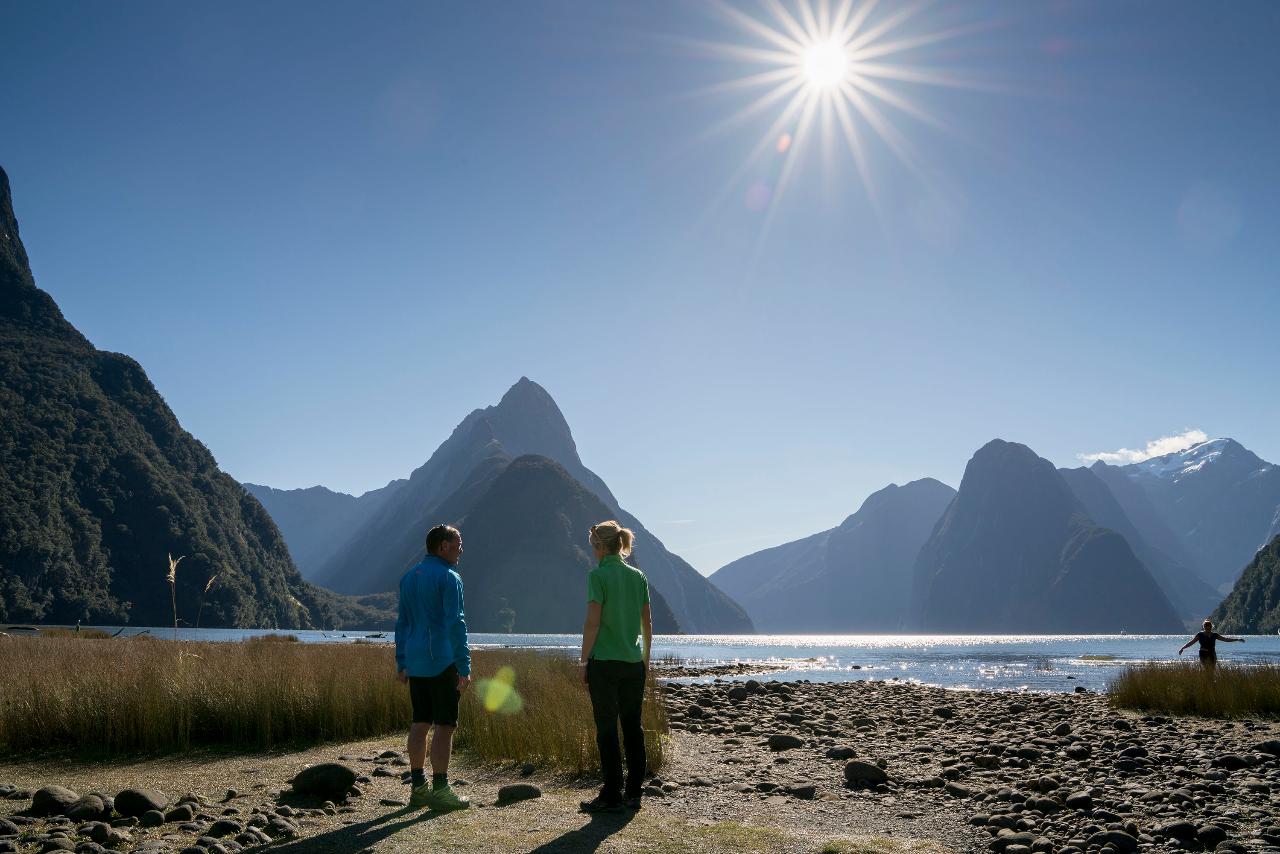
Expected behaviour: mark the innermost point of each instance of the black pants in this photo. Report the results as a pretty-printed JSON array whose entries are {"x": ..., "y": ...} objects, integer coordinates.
[{"x": 617, "y": 693}]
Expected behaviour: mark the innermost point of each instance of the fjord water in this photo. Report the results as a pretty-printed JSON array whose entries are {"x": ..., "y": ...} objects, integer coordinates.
[{"x": 973, "y": 662}]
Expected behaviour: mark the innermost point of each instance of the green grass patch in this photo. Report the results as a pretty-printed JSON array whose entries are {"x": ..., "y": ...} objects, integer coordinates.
[
  {"x": 127, "y": 696},
  {"x": 1190, "y": 688}
]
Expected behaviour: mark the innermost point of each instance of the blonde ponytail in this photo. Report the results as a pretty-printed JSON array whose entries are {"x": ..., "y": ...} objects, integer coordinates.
[{"x": 612, "y": 538}]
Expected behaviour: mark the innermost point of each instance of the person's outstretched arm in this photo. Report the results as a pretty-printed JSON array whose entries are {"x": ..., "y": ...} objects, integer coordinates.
[
  {"x": 1230, "y": 640},
  {"x": 1185, "y": 645}
]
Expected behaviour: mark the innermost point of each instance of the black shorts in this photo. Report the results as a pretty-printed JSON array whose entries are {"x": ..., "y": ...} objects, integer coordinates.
[{"x": 435, "y": 698}]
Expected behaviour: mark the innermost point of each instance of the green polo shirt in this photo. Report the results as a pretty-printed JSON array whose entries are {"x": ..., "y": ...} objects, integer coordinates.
[{"x": 622, "y": 592}]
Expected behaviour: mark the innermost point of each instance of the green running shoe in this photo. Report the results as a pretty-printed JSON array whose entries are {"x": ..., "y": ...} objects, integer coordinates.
[
  {"x": 446, "y": 800},
  {"x": 421, "y": 796}
]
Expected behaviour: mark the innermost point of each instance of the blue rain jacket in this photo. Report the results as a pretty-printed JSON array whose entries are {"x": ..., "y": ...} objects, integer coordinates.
[{"x": 431, "y": 632}]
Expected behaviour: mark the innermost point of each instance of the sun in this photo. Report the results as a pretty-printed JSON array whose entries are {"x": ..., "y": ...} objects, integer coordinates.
[
  {"x": 832, "y": 70},
  {"x": 825, "y": 64}
]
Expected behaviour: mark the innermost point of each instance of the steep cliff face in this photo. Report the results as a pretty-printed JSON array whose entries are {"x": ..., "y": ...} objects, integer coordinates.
[
  {"x": 1017, "y": 552},
  {"x": 99, "y": 483},
  {"x": 1254, "y": 604}
]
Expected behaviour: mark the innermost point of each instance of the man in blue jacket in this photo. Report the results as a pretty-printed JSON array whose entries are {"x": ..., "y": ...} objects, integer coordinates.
[{"x": 433, "y": 658}]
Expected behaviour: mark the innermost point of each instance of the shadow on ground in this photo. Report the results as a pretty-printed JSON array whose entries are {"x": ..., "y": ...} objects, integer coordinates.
[
  {"x": 587, "y": 838},
  {"x": 356, "y": 837},
  {"x": 363, "y": 836}
]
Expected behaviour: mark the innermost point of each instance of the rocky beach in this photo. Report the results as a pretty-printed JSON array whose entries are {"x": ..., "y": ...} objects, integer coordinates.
[{"x": 754, "y": 766}]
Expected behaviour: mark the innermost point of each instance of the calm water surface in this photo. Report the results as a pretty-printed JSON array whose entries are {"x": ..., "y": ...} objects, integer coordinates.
[{"x": 990, "y": 662}]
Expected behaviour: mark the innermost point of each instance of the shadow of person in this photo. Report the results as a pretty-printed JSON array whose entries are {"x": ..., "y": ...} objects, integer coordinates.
[
  {"x": 587, "y": 838},
  {"x": 357, "y": 837}
]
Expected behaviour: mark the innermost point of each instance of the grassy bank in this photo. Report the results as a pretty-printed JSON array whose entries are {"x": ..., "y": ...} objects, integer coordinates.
[
  {"x": 1226, "y": 691},
  {"x": 128, "y": 696}
]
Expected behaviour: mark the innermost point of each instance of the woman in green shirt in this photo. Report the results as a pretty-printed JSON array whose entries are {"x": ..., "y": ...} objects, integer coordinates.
[{"x": 615, "y": 665}]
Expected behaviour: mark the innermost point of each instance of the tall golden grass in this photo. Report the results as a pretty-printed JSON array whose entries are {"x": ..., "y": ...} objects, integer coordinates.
[
  {"x": 1184, "y": 687},
  {"x": 538, "y": 709},
  {"x": 120, "y": 695}
]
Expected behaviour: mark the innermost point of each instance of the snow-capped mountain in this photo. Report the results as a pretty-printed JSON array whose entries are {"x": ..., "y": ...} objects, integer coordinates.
[{"x": 1220, "y": 500}]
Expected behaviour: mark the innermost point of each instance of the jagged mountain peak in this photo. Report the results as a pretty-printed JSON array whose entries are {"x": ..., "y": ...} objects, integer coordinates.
[
  {"x": 12, "y": 253},
  {"x": 1196, "y": 458},
  {"x": 25, "y": 308},
  {"x": 893, "y": 493}
]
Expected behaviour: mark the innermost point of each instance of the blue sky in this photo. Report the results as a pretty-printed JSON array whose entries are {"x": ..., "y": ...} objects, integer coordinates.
[{"x": 329, "y": 231}]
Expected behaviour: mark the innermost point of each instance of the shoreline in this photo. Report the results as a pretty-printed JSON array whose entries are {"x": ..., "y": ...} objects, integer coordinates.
[{"x": 782, "y": 766}]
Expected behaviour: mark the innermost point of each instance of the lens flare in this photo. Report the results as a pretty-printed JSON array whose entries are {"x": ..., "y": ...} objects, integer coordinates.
[{"x": 498, "y": 695}]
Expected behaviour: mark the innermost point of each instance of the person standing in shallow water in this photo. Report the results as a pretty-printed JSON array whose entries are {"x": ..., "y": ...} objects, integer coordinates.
[
  {"x": 1208, "y": 639},
  {"x": 434, "y": 660},
  {"x": 615, "y": 664}
]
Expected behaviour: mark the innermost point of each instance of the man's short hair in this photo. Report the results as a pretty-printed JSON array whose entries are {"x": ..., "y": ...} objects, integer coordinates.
[{"x": 439, "y": 535}]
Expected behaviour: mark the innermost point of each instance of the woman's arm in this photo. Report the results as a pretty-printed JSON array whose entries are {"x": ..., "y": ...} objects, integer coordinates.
[
  {"x": 590, "y": 629},
  {"x": 646, "y": 627},
  {"x": 1187, "y": 644}
]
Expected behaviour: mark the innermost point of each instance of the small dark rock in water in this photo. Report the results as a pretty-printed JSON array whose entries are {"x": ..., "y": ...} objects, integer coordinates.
[
  {"x": 527, "y": 769},
  {"x": 52, "y": 800},
  {"x": 518, "y": 792},
  {"x": 859, "y": 773},
  {"x": 88, "y": 808},
  {"x": 327, "y": 780},
  {"x": 135, "y": 802},
  {"x": 784, "y": 741}
]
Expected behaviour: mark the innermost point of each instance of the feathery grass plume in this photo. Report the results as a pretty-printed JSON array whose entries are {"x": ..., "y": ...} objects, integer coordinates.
[
  {"x": 208, "y": 585},
  {"x": 172, "y": 578}
]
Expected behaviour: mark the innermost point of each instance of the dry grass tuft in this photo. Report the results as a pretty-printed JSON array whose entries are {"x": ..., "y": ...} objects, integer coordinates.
[
  {"x": 133, "y": 696},
  {"x": 1184, "y": 687},
  {"x": 273, "y": 638}
]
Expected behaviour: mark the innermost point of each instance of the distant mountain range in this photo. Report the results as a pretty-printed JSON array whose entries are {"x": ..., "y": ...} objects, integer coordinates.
[
  {"x": 363, "y": 545},
  {"x": 99, "y": 483},
  {"x": 1019, "y": 546},
  {"x": 1220, "y": 500},
  {"x": 853, "y": 578}
]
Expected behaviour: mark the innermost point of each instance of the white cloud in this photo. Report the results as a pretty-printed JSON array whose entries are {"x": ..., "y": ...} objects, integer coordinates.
[{"x": 1155, "y": 448}]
